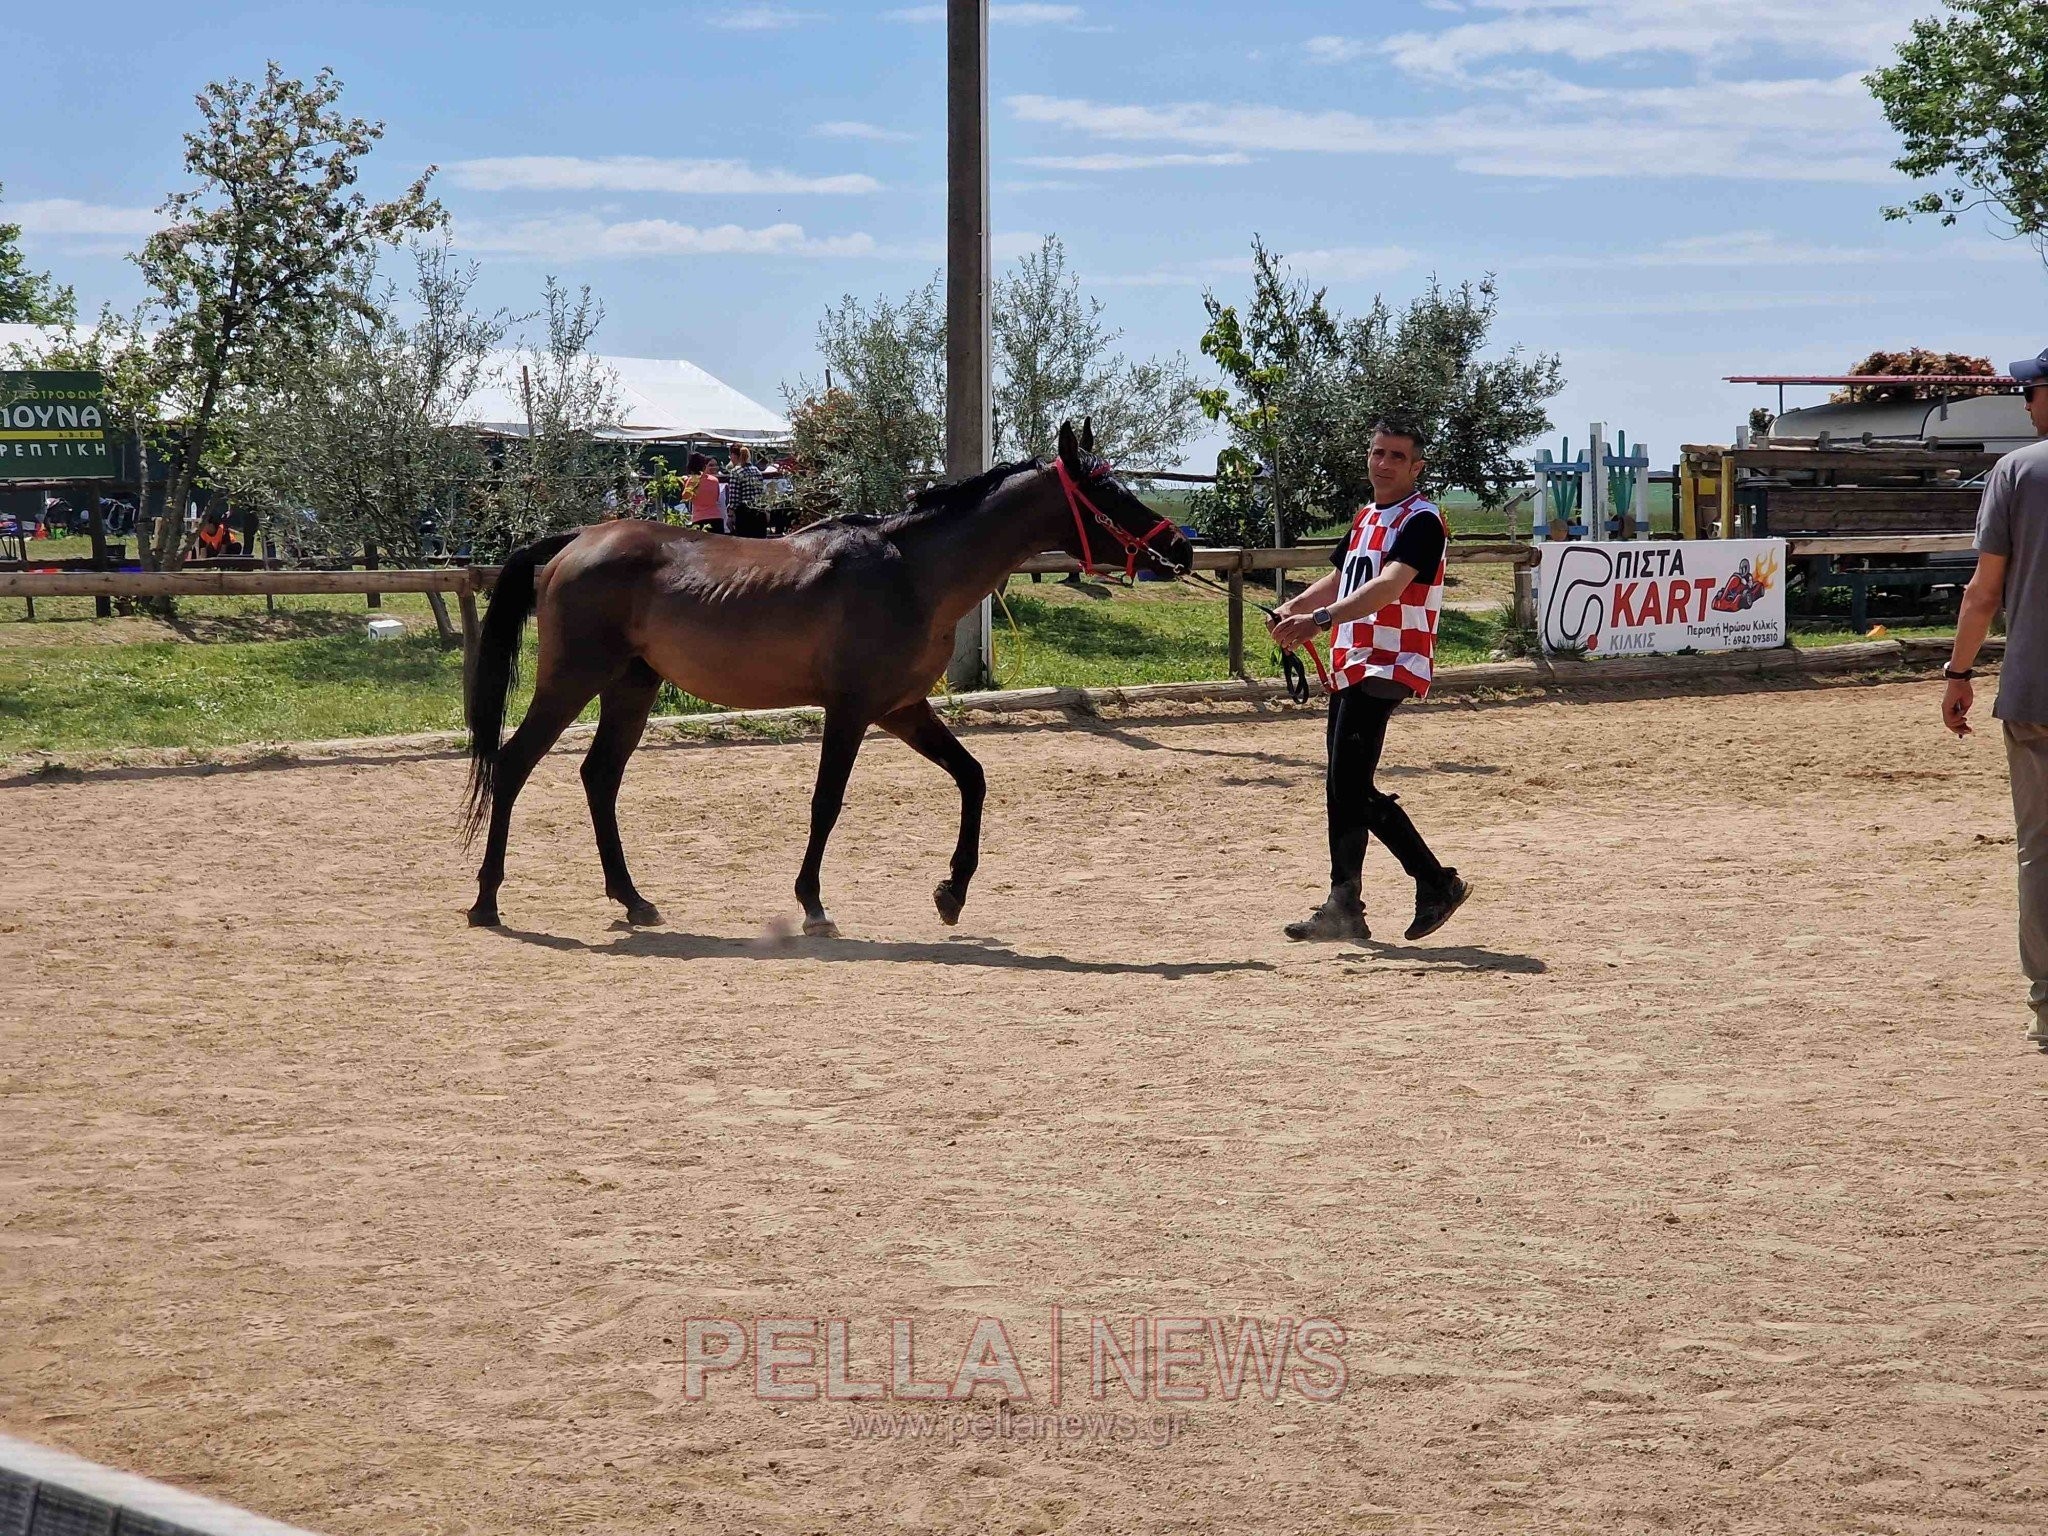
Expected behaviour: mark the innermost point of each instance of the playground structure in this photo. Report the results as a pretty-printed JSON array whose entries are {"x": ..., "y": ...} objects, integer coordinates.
[{"x": 1571, "y": 498}]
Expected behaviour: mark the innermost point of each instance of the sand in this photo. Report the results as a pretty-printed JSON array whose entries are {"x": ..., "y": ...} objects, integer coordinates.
[{"x": 1692, "y": 1180}]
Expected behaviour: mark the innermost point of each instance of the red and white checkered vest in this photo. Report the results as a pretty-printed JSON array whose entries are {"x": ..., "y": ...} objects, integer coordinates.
[{"x": 1398, "y": 642}]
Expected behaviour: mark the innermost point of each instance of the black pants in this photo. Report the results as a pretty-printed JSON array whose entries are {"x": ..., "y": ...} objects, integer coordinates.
[{"x": 1357, "y": 809}]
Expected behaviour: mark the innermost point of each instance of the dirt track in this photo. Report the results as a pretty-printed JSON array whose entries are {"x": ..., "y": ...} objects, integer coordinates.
[{"x": 1693, "y": 1180}]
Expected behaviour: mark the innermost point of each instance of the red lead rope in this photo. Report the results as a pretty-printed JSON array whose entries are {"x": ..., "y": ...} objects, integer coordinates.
[{"x": 1133, "y": 545}]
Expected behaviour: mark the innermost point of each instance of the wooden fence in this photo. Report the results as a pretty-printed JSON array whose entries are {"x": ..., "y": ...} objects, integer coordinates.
[{"x": 465, "y": 582}]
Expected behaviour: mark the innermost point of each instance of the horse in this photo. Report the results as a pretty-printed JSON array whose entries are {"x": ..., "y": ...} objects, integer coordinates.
[{"x": 855, "y": 615}]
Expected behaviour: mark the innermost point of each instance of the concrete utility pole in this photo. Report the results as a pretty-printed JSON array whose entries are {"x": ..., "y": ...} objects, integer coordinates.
[{"x": 969, "y": 450}]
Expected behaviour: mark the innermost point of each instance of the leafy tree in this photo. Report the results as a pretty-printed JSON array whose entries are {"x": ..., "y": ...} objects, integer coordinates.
[
  {"x": 1303, "y": 386},
  {"x": 1423, "y": 362},
  {"x": 559, "y": 475},
  {"x": 879, "y": 423},
  {"x": 29, "y": 297},
  {"x": 1055, "y": 362},
  {"x": 358, "y": 427},
  {"x": 259, "y": 254},
  {"x": 1279, "y": 362},
  {"x": 1969, "y": 96}
]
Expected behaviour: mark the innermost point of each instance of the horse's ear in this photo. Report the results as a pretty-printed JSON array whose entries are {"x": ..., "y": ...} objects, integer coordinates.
[
  {"x": 1069, "y": 450},
  {"x": 1088, "y": 434}
]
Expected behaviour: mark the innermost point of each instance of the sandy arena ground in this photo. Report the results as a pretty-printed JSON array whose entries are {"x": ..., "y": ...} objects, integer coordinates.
[{"x": 1692, "y": 1181}]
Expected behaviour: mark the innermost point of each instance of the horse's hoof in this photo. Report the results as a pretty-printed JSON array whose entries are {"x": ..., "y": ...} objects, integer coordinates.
[
  {"x": 820, "y": 928},
  {"x": 642, "y": 914},
  {"x": 949, "y": 901},
  {"x": 481, "y": 916}
]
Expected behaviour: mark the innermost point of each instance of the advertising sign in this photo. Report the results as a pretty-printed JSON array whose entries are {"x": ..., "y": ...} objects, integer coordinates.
[
  {"x": 1645, "y": 599},
  {"x": 52, "y": 427}
]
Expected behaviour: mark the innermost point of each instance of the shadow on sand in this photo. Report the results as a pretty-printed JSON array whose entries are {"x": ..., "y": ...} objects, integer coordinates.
[{"x": 959, "y": 951}]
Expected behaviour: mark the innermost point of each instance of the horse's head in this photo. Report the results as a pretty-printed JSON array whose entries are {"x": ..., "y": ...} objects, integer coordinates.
[{"x": 1109, "y": 525}]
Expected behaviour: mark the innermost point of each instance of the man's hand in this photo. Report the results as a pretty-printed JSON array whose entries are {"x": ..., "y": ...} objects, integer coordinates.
[
  {"x": 1956, "y": 700},
  {"x": 1293, "y": 629}
]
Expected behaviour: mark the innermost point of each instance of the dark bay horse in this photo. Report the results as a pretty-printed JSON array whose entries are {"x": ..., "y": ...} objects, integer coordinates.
[{"x": 855, "y": 615}]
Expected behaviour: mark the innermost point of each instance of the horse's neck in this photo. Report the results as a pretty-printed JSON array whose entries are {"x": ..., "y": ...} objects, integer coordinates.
[{"x": 962, "y": 556}]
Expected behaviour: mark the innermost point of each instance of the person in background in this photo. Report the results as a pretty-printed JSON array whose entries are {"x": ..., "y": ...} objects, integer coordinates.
[
  {"x": 746, "y": 496},
  {"x": 705, "y": 510},
  {"x": 2012, "y": 573},
  {"x": 211, "y": 540}
]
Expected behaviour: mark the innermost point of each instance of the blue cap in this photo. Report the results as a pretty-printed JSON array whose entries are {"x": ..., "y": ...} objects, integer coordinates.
[{"x": 2031, "y": 370}]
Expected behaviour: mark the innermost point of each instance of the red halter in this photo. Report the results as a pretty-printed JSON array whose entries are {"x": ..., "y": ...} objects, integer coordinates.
[{"x": 1134, "y": 546}]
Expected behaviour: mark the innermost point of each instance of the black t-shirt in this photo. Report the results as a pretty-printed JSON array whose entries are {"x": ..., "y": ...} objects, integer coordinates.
[{"x": 1419, "y": 545}]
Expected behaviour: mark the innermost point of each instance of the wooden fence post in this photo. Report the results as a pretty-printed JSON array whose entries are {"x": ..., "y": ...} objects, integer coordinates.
[
  {"x": 1525, "y": 597},
  {"x": 465, "y": 599},
  {"x": 96, "y": 524},
  {"x": 1236, "y": 663},
  {"x": 370, "y": 564}
]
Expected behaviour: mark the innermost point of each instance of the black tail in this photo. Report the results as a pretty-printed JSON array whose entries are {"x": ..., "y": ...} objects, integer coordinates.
[{"x": 497, "y": 665}]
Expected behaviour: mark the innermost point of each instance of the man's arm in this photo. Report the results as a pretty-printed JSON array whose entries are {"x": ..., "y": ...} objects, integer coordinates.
[
  {"x": 1981, "y": 602},
  {"x": 1370, "y": 598}
]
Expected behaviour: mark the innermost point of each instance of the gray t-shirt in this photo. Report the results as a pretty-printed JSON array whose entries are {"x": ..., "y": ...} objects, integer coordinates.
[{"x": 2013, "y": 521}]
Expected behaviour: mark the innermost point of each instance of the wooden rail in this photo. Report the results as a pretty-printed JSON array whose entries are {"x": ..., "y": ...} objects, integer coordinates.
[{"x": 466, "y": 582}]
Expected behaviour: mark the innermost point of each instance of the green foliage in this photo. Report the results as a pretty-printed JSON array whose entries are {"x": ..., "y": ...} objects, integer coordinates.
[
  {"x": 356, "y": 425},
  {"x": 864, "y": 438},
  {"x": 1303, "y": 387},
  {"x": 1055, "y": 361},
  {"x": 29, "y": 297},
  {"x": 1969, "y": 97},
  {"x": 260, "y": 253}
]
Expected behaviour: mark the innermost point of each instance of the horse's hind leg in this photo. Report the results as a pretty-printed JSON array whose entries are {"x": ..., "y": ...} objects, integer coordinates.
[
  {"x": 557, "y": 700},
  {"x": 622, "y": 716},
  {"x": 920, "y": 729}
]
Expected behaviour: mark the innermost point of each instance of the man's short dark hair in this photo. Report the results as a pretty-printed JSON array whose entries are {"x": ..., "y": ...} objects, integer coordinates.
[{"x": 1401, "y": 426}]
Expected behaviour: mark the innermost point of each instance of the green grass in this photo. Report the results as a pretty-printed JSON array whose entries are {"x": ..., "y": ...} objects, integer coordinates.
[{"x": 226, "y": 672}]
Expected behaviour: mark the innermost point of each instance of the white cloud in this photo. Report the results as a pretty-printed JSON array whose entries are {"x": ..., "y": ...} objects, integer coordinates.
[
  {"x": 1344, "y": 263},
  {"x": 67, "y": 217},
  {"x": 871, "y": 132},
  {"x": 761, "y": 18},
  {"x": 999, "y": 15},
  {"x": 1335, "y": 50},
  {"x": 640, "y": 173},
  {"x": 1782, "y": 130},
  {"x": 1716, "y": 32},
  {"x": 585, "y": 237},
  {"x": 1116, "y": 162}
]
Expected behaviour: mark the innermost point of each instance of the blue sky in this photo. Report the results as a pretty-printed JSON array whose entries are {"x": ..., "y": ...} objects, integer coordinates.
[{"x": 1668, "y": 190}]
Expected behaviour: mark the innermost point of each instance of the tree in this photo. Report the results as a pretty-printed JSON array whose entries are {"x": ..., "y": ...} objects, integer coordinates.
[
  {"x": 1055, "y": 362},
  {"x": 560, "y": 473},
  {"x": 1423, "y": 363},
  {"x": 1279, "y": 361},
  {"x": 1303, "y": 388},
  {"x": 1969, "y": 96},
  {"x": 259, "y": 254},
  {"x": 29, "y": 297},
  {"x": 880, "y": 424},
  {"x": 359, "y": 427}
]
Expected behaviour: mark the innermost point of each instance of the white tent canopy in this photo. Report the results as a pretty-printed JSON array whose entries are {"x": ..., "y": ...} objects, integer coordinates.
[{"x": 664, "y": 399}]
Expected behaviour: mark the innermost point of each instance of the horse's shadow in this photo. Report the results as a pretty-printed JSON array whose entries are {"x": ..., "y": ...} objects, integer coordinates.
[{"x": 669, "y": 945}]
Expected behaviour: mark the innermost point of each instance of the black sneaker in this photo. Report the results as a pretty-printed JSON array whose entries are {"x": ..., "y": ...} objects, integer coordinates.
[
  {"x": 1333, "y": 920},
  {"x": 1434, "y": 904}
]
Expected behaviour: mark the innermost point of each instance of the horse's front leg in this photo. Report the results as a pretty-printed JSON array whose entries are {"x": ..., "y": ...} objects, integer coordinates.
[
  {"x": 918, "y": 727},
  {"x": 843, "y": 731}
]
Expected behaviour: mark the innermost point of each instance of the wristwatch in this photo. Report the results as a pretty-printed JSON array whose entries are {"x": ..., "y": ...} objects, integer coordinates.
[
  {"x": 1957, "y": 677},
  {"x": 1322, "y": 618}
]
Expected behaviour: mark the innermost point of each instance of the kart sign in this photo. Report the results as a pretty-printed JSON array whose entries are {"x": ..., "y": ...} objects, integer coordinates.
[
  {"x": 1645, "y": 599},
  {"x": 53, "y": 427}
]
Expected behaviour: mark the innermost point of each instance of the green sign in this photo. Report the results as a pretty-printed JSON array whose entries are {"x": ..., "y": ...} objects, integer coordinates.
[{"x": 53, "y": 427}]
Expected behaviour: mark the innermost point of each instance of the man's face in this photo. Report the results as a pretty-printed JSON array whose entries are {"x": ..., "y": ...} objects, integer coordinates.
[
  {"x": 2037, "y": 407},
  {"x": 1395, "y": 464}
]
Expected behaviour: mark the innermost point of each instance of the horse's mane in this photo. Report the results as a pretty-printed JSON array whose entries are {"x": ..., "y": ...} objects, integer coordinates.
[{"x": 954, "y": 495}]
